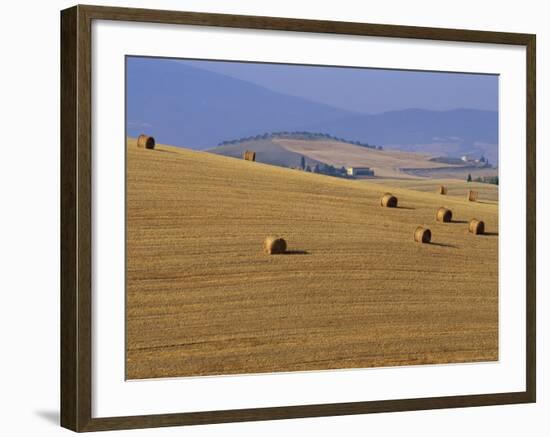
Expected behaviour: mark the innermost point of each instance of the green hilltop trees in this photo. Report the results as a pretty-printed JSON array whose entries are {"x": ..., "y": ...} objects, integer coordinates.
[{"x": 304, "y": 135}]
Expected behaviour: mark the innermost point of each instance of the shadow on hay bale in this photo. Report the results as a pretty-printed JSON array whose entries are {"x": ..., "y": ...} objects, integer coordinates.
[
  {"x": 476, "y": 227},
  {"x": 422, "y": 235},
  {"x": 388, "y": 200},
  {"x": 146, "y": 142},
  {"x": 249, "y": 155},
  {"x": 444, "y": 215},
  {"x": 274, "y": 245}
]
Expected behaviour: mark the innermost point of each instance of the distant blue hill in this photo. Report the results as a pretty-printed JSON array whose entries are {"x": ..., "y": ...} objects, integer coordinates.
[
  {"x": 191, "y": 107},
  {"x": 448, "y": 133}
]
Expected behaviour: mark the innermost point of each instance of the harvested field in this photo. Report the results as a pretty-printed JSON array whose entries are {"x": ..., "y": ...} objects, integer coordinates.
[
  {"x": 354, "y": 289},
  {"x": 455, "y": 187},
  {"x": 385, "y": 163}
]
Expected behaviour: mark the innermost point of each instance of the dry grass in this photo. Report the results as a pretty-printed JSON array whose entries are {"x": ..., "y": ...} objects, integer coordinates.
[
  {"x": 354, "y": 291},
  {"x": 455, "y": 187},
  {"x": 386, "y": 163}
]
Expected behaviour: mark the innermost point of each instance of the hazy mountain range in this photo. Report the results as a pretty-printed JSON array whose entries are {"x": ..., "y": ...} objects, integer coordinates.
[{"x": 191, "y": 107}]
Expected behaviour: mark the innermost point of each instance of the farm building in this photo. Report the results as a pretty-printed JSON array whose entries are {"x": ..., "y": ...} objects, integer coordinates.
[{"x": 359, "y": 171}]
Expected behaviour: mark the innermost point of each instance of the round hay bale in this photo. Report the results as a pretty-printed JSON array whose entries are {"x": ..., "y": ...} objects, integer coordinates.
[
  {"x": 388, "y": 200},
  {"x": 146, "y": 142},
  {"x": 444, "y": 215},
  {"x": 476, "y": 227},
  {"x": 274, "y": 245},
  {"x": 472, "y": 195},
  {"x": 443, "y": 189},
  {"x": 249, "y": 155},
  {"x": 422, "y": 235}
]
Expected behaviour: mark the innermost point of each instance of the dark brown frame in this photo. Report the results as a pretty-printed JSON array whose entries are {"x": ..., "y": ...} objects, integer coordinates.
[{"x": 76, "y": 334}]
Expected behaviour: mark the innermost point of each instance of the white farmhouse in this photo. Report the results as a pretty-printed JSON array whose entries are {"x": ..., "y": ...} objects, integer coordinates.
[{"x": 359, "y": 171}]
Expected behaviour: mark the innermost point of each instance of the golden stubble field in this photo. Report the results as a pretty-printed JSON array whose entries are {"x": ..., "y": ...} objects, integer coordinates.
[
  {"x": 488, "y": 193},
  {"x": 355, "y": 291},
  {"x": 386, "y": 163}
]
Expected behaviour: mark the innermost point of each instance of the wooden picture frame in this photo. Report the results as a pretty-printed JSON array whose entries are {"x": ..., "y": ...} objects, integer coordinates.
[{"x": 76, "y": 218}]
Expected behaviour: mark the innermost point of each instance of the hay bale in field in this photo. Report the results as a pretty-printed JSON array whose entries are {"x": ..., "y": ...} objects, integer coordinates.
[
  {"x": 388, "y": 200},
  {"x": 444, "y": 215},
  {"x": 443, "y": 189},
  {"x": 274, "y": 245},
  {"x": 146, "y": 142},
  {"x": 476, "y": 227},
  {"x": 422, "y": 235},
  {"x": 472, "y": 195},
  {"x": 249, "y": 155}
]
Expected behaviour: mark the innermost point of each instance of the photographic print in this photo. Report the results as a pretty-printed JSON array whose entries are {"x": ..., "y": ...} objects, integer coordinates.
[
  {"x": 338, "y": 216},
  {"x": 285, "y": 218}
]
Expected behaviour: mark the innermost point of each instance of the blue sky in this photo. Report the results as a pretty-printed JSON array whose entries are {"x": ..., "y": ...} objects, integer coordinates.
[{"x": 367, "y": 90}]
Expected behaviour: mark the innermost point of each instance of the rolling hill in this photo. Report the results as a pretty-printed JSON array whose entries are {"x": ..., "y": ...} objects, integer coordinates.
[
  {"x": 354, "y": 290},
  {"x": 192, "y": 107},
  {"x": 456, "y": 188},
  {"x": 183, "y": 105},
  {"x": 455, "y": 132},
  {"x": 267, "y": 152},
  {"x": 286, "y": 152},
  {"x": 384, "y": 163}
]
